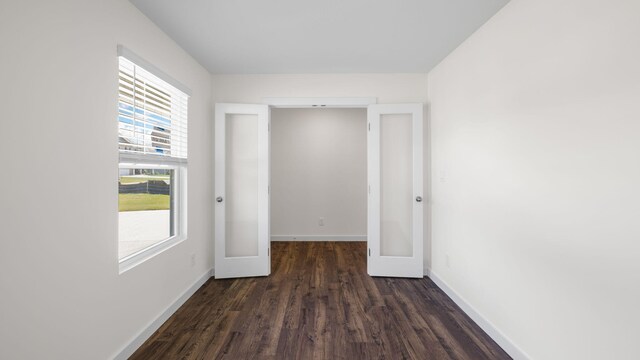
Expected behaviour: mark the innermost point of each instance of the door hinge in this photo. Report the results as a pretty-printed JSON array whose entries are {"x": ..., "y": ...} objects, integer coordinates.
[
  {"x": 369, "y": 251},
  {"x": 268, "y": 189},
  {"x": 369, "y": 126},
  {"x": 268, "y": 126},
  {"x": 268, "y": 252}
]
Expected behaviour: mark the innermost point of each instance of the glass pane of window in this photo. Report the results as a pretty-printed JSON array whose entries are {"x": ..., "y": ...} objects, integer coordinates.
[
  {"x": 145, "y": 209},
  {"x": 152, "y": 115}
]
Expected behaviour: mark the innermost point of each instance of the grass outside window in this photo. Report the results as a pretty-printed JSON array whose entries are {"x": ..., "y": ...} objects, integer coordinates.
[{"x": 140, "y": 202}]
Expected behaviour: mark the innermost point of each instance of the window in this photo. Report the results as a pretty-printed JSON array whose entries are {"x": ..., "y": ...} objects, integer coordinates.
[{"x": 152, "y": 141}]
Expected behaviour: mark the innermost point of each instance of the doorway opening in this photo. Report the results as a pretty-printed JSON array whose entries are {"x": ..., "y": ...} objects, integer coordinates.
[
  {"x": 319, "y": 174},
  {"x": 244, "y": 169}
]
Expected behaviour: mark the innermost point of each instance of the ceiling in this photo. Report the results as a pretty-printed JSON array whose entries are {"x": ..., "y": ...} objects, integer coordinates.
[{"x": 328, "y": 36}]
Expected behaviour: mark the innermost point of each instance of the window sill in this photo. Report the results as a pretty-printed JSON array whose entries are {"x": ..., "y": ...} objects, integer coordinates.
[{"x": 138, "y": 258}]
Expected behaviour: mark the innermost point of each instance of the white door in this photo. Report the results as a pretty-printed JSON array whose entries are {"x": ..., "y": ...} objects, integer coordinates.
[
  {"x": 242, "y": 190},
  {"x": 395, "y": 206}
]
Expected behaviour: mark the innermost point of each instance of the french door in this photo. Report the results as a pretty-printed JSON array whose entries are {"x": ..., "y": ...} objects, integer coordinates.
[
  {"x": 395, "y": 201},
  {"x": 242, "y": 246},
  {"x": 395, "y": 206}
]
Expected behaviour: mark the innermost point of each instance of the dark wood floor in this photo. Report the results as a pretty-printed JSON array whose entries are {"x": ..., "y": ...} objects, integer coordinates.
[{"x": 319, "y": 303}]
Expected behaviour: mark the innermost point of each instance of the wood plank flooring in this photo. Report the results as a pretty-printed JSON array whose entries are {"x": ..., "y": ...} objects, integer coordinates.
[{"x": 319, "y": 303}]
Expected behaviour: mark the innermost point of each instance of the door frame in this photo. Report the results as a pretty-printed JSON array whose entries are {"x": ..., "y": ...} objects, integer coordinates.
[{"x": 322, "y": 102}]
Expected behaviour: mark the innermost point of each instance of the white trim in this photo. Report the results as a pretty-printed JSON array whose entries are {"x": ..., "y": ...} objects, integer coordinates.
[
  {"x": 137, "y": 341},
  {"x": 319, "y": 102},
  {"x": 318, "y": 237},
  {"x": 131, "y": 261},
  {"x": 137, "y": 60},
  {"x": 507, "y": 345},
  {"x": 137, "y": 158}
]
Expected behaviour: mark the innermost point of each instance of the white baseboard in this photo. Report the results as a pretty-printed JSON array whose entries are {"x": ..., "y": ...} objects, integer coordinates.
[
  {"x": 318, "y": 237},
  {"x": 155, "y": 324},
  {"x": 507, "y": 345}
]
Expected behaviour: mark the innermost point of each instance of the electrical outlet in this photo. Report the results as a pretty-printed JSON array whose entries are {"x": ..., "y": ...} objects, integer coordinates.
[
  {"x": 321, "y": 221},
  {"x": 193, "y": 260}
]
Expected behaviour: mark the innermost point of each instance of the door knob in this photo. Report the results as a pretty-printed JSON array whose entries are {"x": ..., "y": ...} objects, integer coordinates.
[
  {"x": 419, "y": 198},
  {"x": 219, "y": 199}
]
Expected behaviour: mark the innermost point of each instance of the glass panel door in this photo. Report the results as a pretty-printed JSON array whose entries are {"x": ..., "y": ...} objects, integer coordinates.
[
  {"x": 395, "y": 206},
  {"x": 241, "y": 190}
]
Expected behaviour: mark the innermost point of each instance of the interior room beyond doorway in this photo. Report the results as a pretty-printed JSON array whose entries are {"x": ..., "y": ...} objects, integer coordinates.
[{"x": 318, "y": 174}]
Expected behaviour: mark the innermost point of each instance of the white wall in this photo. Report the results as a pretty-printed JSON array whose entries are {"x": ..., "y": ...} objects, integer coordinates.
[
  {"x": 61, "y": 294},
  {"x": 388, "y": 88},
  {"x": 536, "y": 140},
  {"x": 319, "y": 170}
]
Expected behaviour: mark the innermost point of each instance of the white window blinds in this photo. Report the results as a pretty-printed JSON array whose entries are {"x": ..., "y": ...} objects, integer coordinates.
[{"x": 152, "y": 115}]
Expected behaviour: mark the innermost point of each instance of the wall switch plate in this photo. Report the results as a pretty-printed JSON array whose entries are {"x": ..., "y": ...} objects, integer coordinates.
[{"x": 321, "y": 221}]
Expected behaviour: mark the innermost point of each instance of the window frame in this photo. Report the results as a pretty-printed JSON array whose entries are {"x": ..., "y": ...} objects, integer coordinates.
[{"x": 128, "y": 160}]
